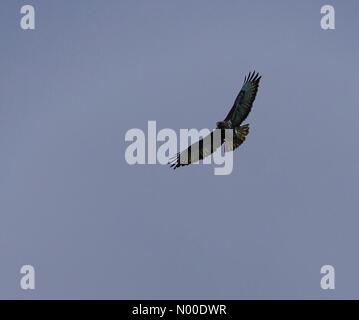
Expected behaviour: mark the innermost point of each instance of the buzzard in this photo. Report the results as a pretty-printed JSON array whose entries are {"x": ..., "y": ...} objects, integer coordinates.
[{"x": 239, "y": 112}]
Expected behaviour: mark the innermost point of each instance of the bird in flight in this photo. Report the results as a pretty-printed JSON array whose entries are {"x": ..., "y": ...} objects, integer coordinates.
[{"x": 239, "y": 112}]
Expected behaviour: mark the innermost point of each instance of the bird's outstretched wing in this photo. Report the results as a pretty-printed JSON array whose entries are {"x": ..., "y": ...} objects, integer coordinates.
[
  {"x": 244, "y": 101},
  {"x": 198, "y": 150}
]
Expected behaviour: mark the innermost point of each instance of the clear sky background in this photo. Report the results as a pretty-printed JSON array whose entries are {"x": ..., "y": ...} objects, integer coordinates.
[{"x": 95, "y": 227}]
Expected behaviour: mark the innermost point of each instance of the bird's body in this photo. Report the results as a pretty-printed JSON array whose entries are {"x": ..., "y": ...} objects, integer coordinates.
[{"x": 238, "y": 113}]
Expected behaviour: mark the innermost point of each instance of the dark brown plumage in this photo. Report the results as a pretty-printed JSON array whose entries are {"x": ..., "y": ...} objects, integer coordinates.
[{"x": 239, "y": 112}]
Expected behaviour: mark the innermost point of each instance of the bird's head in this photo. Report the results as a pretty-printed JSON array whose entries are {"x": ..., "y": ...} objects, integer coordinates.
[{"x": 222, "y": 125}]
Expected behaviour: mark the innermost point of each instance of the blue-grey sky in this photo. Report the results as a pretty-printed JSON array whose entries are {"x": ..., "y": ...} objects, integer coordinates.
[{"x": 95, "y": 227}]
